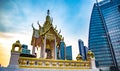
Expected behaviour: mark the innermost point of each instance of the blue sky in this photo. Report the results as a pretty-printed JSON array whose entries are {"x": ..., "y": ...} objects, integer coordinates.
[{"x": 71, "y": 16}]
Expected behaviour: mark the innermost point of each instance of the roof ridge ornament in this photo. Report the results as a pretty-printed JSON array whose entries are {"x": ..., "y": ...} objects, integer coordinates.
[{"x": 33, "y": 27}]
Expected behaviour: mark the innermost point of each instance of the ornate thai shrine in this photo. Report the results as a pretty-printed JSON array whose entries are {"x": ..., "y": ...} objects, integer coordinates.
[{"x": 48, "y": 39}]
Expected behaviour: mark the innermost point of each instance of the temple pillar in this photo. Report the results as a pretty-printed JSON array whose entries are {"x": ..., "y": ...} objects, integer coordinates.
[
  {"x": 65, "y": 51},
  {"x": 41, "y": 52},
  {"x": 59, "y": 53},
  {"x": 93, "y": 63},
  {"x": 14, "y": 60},
  {"x": 55, "y": 54},
  {"x": 33, "y": 50},
  {"x": 43, "y": 48}
]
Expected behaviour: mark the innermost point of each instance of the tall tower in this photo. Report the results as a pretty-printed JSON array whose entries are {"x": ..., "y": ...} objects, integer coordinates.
[
  {"x": 62, "y": 50},
  {"x": 69, "y": 52},
  {"x": 85, "y": 51},
  {"x": 104, "y": 33},
  {"x": 81, "y": 48}
]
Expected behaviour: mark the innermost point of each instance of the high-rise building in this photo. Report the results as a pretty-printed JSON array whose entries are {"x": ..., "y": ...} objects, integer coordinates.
[
  {"x": 62, "y": 50},
  {"x": 85, "y": 52},
  {"x": 82, "y": 49},
  {"x": 104, "y": 33},
  {"x": 69, "y": 52},
  {"x": 25, "y": 49}
]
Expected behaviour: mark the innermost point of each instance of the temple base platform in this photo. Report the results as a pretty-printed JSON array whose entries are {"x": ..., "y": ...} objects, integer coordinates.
[{"x": 39, "y": 69}]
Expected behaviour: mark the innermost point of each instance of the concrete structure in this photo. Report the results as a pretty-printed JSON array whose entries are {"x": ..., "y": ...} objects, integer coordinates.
[{"x": 104, "y": 33}]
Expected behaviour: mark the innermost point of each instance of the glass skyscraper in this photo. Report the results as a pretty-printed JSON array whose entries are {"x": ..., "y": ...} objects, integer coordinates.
[
  {"x": 104, "y": 33},
  {"x": 82, "y": 49},
  {"x": 62, "y": 50},
  {"x": 69, "y": 52},
  {"x": 25, "y": 49},
  {"x": 85, "y": 50}
]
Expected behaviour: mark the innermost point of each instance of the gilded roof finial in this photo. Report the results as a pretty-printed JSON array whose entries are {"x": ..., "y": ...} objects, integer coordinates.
[{"x": 48, "y": 12}]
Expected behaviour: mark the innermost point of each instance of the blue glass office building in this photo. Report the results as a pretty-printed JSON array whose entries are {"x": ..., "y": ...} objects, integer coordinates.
[
  {"x": 69, "y": 52},
  {"x": 85, "y": 51},
  {"x": 104, "y": 33},
  {"x": 62, "y": 50},
  {"x": 25, "y": 49},
  {"x": 82, "y": 49}
]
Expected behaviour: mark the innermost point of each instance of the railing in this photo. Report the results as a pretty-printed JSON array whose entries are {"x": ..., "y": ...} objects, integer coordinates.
[{"x": 25, "y": 62}]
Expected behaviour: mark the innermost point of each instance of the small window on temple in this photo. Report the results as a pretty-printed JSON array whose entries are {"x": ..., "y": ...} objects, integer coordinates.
[{"x": 119, "y": 8}]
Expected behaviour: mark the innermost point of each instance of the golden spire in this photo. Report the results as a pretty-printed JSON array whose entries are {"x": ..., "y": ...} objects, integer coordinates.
[
  {"x": 48, "y": 17},
  {"x": 48, "y": 12}
]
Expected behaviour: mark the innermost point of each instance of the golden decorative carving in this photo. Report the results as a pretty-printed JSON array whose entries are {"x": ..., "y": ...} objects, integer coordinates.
[
  {"x": 39, "y": 63},
  {"x": 67, "y": 64},
  {"x": 51, "y": 63},
  {"x": 79, "y": 57},
  {"x": 47, "y": 63},
  {"x": 31, "y": 62},
  {"x": 78, "y": 64},
  {"x": 48, "y": 29},
  {"x": 72, "y": 64},
  {"x": 16, "y": 44},
  {"x": 60, "y": 64},
  {"x": 54, "y": 63},
  {"x": 90, "y": 55}
]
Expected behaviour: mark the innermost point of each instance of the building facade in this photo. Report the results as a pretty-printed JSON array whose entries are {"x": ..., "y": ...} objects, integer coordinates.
[
  {"x": 25, "y": 49},
  {"x": 62, "y": 50},
  {"x": 82, "y": 49},
  {"x": 85, "y": 50},
  {"x": 69, "y": 52},
  {"x": 104, "y": 33}
]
